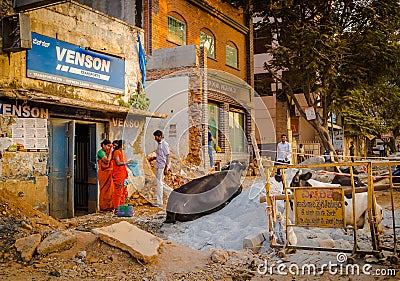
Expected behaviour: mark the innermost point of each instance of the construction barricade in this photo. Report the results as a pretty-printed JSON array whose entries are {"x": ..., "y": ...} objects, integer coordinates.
[{"x": 324, "y": 207}]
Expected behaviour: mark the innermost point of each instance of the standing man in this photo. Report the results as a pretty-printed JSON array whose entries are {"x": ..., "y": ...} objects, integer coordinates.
[
  {"x": 351, "y": 149},
  {"x": 162, "y": 163},
  {"x": 283, "y": 151},
  {"x": 381, "y": 150}
]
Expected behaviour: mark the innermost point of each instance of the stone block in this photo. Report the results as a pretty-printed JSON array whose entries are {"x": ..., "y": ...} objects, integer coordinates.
[
  {"x": 26, "y": 246},
  {"x": 254, "y": 242},
  {"x": 139, "y": 243},
  {"x": 57, "y": 241}
]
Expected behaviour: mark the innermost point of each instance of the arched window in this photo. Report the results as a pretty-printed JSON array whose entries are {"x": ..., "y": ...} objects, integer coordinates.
[
  {"x": 207, "y": 39},
  {"x": 231, "y": 55},
  {"x": 176, "y": 29}
]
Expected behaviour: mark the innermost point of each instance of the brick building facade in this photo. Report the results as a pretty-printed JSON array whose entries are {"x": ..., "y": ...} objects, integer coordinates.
[
  {"x": 217, "y": 18},
  {"x": 219, "y": 95}
]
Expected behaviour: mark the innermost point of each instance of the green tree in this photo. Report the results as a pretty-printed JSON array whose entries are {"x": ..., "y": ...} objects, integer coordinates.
[
  {"x": 372, "y": 111},
  {"x": 342, "y": 55}
]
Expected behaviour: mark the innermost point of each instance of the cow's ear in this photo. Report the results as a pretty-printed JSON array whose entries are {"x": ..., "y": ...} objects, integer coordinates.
[{"x": 306, "y": 176}]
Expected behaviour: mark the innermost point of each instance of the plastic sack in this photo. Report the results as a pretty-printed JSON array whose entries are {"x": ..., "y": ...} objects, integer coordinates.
[{"x": 134, "y": 167}]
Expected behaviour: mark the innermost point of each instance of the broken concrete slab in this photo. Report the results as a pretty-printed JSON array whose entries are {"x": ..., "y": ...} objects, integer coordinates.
[
  {"x": 26, "y": 246},
  {"x": 57, "y": 241},
  {"x": 255, "y": 242},
  {"x": 124, "y": 235}
]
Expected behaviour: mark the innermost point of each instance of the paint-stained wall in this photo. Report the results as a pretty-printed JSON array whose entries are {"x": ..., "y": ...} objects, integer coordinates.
[{"x": 26, "y": 173}]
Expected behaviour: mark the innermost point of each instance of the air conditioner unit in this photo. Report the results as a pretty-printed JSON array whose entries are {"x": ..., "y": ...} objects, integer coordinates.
[{"x": 16, "y": 33}]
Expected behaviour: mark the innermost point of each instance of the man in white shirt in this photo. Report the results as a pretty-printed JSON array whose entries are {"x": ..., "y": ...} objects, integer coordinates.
[
  {"x": 162, "y": 163},
  {"x": 283, "y": 151}
]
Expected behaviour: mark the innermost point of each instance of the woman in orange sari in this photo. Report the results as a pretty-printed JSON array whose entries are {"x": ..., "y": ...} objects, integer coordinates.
[
  {"x": 105, "y": 175},
  {"x": 120, "y": 174}
]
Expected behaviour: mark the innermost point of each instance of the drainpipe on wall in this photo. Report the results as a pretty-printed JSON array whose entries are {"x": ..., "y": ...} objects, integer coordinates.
[
  {"x": 204, "y": 105},
  {"x": 150, "y": 29},
  {"x": 249, "y": 71}
]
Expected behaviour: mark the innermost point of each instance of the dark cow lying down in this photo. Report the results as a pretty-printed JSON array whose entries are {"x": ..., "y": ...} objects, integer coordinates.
[
  {"x": 205, "y": 195},
  {"x": 396, "y": 175}
]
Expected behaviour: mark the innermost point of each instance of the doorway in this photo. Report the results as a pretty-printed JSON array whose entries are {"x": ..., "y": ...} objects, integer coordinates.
[
  {"x": 81, "y": 166},
  {"x": 72, "y": 168}
]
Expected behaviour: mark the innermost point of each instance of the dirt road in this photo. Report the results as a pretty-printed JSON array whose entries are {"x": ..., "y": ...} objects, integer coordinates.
[{"x": 91, "y": 259}]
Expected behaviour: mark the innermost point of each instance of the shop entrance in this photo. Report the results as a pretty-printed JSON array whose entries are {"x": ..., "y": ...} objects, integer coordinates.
[
  {"x": 72, "y": 168},
  {"x": 85, "y": 169}
]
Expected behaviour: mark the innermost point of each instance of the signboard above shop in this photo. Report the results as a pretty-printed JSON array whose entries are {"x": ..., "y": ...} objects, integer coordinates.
[{"x": 60, "y": 62}]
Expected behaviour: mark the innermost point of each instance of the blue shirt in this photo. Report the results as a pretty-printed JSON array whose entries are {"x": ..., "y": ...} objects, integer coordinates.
[{"x": 209, "y": 137}]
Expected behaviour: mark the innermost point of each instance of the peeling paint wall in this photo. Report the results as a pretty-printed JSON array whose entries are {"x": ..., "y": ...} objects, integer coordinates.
[
  {"x": 23, "y": 173},
  {"x": 169, "y": 96}
]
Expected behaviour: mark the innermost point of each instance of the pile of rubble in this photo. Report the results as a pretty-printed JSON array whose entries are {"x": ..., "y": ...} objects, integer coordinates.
[
  {"x": 180, "y": 172},
  {"x": 38, "y": 247},
  {"x": 19, "y": 221},
  {"x": 253, "y": 169}
]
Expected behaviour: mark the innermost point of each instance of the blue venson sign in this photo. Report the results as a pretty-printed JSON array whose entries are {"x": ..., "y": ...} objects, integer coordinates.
[{"x": 57, "y": 61}]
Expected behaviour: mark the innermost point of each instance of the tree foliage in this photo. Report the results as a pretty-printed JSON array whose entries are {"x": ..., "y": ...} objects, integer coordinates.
[{"x": 343, "y": 55}]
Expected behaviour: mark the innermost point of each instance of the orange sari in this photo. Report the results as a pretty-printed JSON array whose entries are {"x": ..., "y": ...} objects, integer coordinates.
[
  {"x": 106, "y": 183},
  {"x": 119, "y": 175}
]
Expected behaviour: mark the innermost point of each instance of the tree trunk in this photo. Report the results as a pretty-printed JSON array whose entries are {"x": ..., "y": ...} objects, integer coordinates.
[
  {"x": 324, "y": 135},
  {"x": 316, "y": 123}
]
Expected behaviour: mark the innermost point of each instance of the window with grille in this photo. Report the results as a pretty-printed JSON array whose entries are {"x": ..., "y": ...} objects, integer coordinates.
[
  {"x": 262, "y": 37},
  {"x": 231, "y": 56},
  {"x": 176, "y": 31},
  {"x": 208, "y": 41},
  {"x": 172, "y": 130}
]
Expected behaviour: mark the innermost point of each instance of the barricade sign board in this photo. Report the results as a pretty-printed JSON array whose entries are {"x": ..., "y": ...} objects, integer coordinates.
[{"x": 319, "y": 207}]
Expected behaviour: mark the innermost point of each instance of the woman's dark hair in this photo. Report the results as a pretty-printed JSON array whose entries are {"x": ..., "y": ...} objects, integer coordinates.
[
  {"x": 105, "y": 142},
  {"x": 119, "y": 144}
]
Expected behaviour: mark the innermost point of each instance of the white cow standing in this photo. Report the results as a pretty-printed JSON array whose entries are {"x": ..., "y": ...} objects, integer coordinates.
[
  {"x": 296, "y": 178},
  {"x": 361, "y": 201}
]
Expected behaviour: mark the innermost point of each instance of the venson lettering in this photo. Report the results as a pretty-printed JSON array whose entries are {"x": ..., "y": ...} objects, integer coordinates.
[
  {"x": 76, "y": 58},
  {"x": 23, "y": 111}
]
